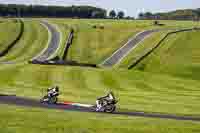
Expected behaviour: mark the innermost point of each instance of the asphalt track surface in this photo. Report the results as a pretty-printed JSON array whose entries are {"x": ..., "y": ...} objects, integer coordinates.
[
  {"x": 20, "y": 101},
  {"x": 124, "y": 50},
  {"x": 53, "y": 43}
]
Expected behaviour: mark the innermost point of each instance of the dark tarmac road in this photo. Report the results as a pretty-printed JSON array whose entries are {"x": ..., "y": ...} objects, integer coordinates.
[{"x": 26, "y": 102}]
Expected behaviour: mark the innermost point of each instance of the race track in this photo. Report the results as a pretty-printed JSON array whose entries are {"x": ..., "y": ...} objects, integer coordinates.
[
  {"x": 53, "y": 43},
  {"x": 19, "y": 101},
  {"x": 124, "y": 50}
]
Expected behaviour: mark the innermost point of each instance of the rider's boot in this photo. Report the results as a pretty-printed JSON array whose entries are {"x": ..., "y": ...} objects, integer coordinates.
[{"x": 98, "y": 106}]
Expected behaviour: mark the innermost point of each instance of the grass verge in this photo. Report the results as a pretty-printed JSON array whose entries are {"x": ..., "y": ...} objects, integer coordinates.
[
  {"x": 178, "y": 55},
  {"x": 30, "y": 120},
  {"x": 136, "y": 90},
  {"x": 32, "y": 42},
  {"x": 9, "y": 31}
]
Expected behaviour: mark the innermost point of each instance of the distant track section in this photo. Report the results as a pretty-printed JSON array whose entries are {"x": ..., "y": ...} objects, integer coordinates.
[
  {"x": 124, "y": 50},
  {"x": 53, "y": 43},
  {"x": 20, "y": 101}
]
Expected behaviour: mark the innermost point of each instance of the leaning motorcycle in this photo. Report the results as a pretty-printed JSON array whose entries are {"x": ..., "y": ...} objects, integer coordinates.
[
  {"x": 49, "y": 99},
  {"x": 108, "y": 106}
]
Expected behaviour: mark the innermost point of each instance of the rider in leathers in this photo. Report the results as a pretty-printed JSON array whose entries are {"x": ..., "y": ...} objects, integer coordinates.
[{"x": 53, "y": 91}]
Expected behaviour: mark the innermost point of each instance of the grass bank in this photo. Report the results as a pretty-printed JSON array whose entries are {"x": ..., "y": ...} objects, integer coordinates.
[
  {"x": 30, "y": 120},
  {"x": 9, "y": 31}
]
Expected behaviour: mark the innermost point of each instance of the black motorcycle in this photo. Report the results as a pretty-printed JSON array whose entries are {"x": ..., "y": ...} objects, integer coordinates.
[
  {"x": 108, "y": 106},
  {"x": 50, "y": 99}
]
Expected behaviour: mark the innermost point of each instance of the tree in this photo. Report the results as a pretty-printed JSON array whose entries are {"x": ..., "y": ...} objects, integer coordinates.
[
  {"x": 112, "y": 14},
  {"x": 97, "y": 14},
  {"x": 141, "y": 15},
  {"x": 129, "y": 18},
  {"x": 120, "y": 14},
  {"x": 156, "y": 22},
  {"x": 148, "y": 15}
]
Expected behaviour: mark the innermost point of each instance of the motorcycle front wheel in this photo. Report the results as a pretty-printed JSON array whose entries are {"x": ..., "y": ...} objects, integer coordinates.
[{"x": 44, "y": 99}]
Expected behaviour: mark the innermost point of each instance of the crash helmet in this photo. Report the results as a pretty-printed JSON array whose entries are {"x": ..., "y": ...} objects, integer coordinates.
[{"x": 57, "y": 88}]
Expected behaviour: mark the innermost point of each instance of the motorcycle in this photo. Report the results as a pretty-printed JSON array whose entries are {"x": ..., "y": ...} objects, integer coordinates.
[
  {"x": 53, "y": 99},
  {"x": 49, "y": 100},
  {"x": 108, "y": 106}
]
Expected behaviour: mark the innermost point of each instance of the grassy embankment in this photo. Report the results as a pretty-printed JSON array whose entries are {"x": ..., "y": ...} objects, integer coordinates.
[
  {"x": 178, "y": 55},
  {"x": 32, "y": 42},
  {"x": 9, "y": 31},
  {"x": 151, "y": 41},
  {"x": 136, "y": 90},
  {"x": 141, "y": 49},
  {"x": 93, "y": 45},
  {"x": 18, "y": 120}
]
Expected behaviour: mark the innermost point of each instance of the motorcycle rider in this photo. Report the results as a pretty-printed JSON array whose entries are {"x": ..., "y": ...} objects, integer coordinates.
[
  {"x": 109, "y": 97},
  {"x": 53, "y": 91}
]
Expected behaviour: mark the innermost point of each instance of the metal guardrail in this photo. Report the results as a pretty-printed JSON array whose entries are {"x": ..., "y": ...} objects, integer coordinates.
[{"x": 68, "y": 44}]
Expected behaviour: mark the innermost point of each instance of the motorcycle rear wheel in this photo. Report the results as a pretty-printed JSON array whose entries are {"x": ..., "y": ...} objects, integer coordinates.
[
  {"x": 110, "y": 108},
  {"x": 53, "y": 100}
]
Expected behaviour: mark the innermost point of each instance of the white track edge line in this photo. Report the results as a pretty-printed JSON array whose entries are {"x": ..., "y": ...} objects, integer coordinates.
[{"x": 49, "y": 37}]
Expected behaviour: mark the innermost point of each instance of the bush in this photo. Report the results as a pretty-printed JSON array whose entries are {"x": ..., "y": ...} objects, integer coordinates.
[
  {"x": 94, "y": 26},
  {"x": 98, "y": 27},
  {"x": 101, "y": 27},
  {"x": 157, "y": 23}
]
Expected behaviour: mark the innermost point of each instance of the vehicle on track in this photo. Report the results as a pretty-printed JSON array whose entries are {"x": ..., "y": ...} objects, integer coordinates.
[
  {"x": 52, "y": 96},
  {"x": 106, "y": 103},
  {"x": 108, "y": 106}
]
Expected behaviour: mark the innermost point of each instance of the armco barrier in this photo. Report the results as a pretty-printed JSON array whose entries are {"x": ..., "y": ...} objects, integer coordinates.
[
  {"x": 5, "y": 51},
  {"x": 152, "y": 50},
  {"x": 63, "y": 63},
  {"x": 68, "y": 44}
]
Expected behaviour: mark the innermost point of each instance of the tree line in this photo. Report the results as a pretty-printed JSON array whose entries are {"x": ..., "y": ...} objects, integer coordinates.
[
  {"x": 186, "y": 14},
  {"x": 13, "y": 10},
  {"x": 118, "y": 15}
]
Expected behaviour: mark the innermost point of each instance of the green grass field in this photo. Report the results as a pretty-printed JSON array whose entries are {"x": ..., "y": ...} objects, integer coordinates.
[
  {"x": 154, "y": 89},
  {"x": 33, "y": 41},
  {"x": 93, "y": 45},
  {"x": 151, "y": 41},
  {"x": 9, "y": 30},
  {"x": 178, "y": 55},
  {"x": 30, "y": 120},
  {"x": 136, "y": 90},
  {"x": 140, "y": 50}
]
